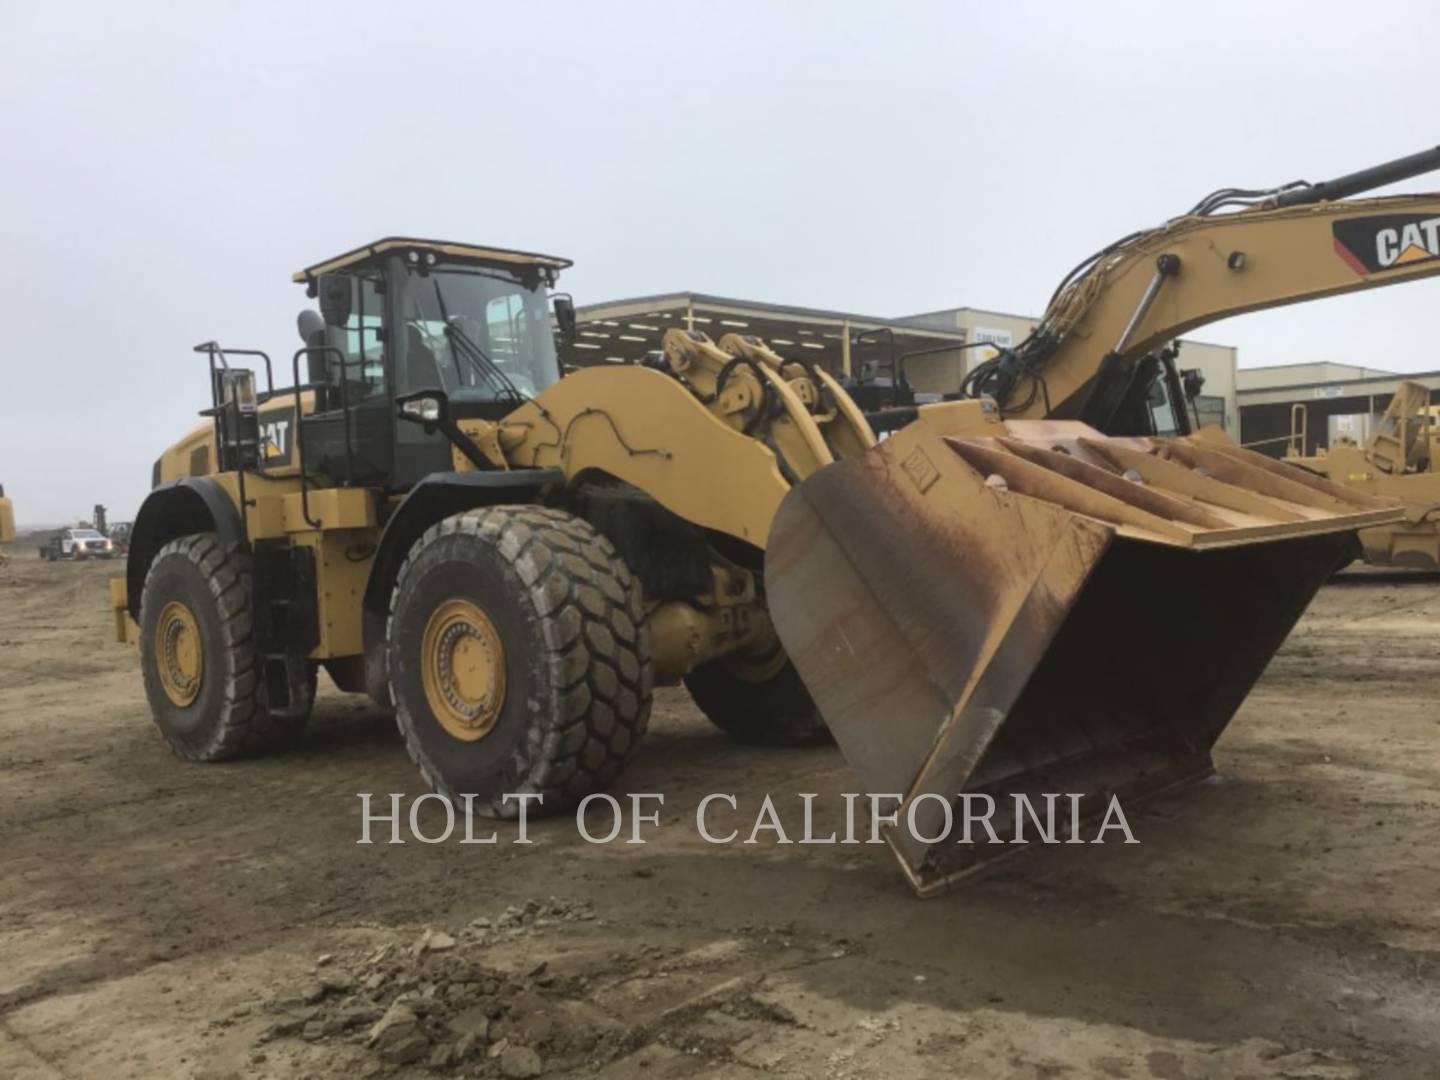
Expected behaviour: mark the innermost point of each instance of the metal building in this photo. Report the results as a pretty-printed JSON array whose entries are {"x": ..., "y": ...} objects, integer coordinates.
[
  {"x": 1310, "y": 405},
  {"x": 623, "y": 331}
]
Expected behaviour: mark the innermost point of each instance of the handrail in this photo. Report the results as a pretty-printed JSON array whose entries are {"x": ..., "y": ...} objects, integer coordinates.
[
  {"x": 1299, "y": 429},
  {"x": 213, "y": 348},
  {"x": 1265, "y": 442},
  {"x": 214, "y": 351}
]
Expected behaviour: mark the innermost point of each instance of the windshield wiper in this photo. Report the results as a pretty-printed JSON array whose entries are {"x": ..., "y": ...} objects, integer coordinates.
[{"x": 478, "y": 358}]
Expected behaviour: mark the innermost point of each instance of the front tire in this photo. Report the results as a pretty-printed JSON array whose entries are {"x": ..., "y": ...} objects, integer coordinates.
[
  {"x": 758, "y": 701},
  {"x": 518, "y": 657},
  {"x": 203, "y": 674}
]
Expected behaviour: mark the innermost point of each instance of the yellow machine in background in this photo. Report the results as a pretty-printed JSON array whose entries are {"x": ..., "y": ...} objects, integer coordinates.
[
  {"x": 7, "y": 519},
  {"x": 1052, "y": 586},
  {"x": 1400, "y": 459}
]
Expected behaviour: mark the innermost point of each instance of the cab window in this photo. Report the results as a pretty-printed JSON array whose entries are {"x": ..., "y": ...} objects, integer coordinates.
[
  {"x": 359, "y": 340},
  {"x": 505, "y": 329},
  {"x": 480, "y": 336},
  {"x": 1162, "y": 410}
]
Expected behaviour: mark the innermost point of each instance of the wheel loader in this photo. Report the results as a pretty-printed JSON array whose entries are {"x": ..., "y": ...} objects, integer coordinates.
[
  {"x": 1051, "y": 585},
  {"x": 1400, "y": 459}
]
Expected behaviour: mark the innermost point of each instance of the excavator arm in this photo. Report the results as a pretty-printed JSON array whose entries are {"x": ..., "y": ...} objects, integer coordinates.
[{"x": 1100, "y": 343}]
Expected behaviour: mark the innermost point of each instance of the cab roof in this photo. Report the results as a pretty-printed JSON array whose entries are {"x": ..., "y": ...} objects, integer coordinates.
[{"x": 451, "y": 251}]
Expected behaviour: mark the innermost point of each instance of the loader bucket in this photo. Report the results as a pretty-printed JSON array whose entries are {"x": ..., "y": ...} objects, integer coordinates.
[{"x": 1042, "y": 610}]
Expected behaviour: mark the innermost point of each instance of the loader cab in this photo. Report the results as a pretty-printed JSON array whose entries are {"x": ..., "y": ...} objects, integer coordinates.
[{"x": 402, "y": 316}]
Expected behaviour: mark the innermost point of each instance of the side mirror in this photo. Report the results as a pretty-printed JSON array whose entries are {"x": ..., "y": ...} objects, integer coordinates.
[
  {"x": 335, "y": 298},
  {"x": 428, "y": 407},
  {"x": 1193, "y": 381},
  {"x": 565, "y": 316},
  {"x": 431, "y": 408},
  {"x": 238, "y": 389}
]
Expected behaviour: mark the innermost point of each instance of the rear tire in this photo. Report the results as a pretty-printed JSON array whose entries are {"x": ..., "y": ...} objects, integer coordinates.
[
  {"x": 202, "y": 671},
  {"x": 757, "y": 703},
  {"x": 518, "y": 658}
]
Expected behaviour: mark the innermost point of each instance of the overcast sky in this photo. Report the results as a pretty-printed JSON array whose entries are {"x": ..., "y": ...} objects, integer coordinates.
[{"x": 166, "y": 167}]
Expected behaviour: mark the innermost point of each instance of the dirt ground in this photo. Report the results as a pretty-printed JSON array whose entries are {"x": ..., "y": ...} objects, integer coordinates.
[{"x": 162, "y": 919}]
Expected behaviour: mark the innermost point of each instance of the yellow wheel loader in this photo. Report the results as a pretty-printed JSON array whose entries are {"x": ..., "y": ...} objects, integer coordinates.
[
  {"x": 1052, "y": 586},
  {"x": 1399, "y": 459}
]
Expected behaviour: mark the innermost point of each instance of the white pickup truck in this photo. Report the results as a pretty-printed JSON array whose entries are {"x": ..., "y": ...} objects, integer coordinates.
[{"x": 78, "y": 544}]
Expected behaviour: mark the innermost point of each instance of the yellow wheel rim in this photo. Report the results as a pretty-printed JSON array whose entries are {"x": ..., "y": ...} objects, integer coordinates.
[
  {"x": 462, "y": 667},
  {"x": 179, "y": 653},
  {"x": 755, "y": 668}
]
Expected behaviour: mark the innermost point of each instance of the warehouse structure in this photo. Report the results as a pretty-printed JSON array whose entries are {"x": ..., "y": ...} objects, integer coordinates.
[
  {"x": 1307, "y": 406},
  {"x": 930, "y": 348},
  {"x": 844, "y": 343}
]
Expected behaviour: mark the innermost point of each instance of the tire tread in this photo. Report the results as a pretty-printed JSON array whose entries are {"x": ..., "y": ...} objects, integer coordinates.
[
  {"x": 245, "y": 725},
  {"x": 597, "y": 658}
]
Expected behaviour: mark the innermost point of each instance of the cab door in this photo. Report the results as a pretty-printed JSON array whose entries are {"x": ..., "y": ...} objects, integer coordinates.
[{"x": 349, "y": 437}]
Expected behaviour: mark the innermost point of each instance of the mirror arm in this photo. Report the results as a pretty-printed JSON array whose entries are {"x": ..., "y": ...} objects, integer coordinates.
[
  {"x": 462, "y": 442},
  {"x": 444, "y": 424}
]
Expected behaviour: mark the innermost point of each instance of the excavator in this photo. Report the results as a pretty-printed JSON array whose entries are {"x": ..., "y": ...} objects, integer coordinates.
[
  {"x": 1399, "y": 459},
  {"x": 1052, "y": 585}
]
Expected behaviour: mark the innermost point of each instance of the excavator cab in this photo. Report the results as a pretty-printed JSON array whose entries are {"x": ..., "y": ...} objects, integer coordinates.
[{"x": 1144, "y": 395}]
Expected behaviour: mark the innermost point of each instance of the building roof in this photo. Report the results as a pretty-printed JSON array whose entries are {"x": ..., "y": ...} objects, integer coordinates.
[
  {"x": 1307, "y": 373},
  {"x": 792, "y": 312},
  {"x": 1373, "y": 371},
  {"x": 1376, "y": 384},
  {"x": 964, "y": 309},
  {"x": 446, "y": 248},
  {"x": 623, "y": 331}
]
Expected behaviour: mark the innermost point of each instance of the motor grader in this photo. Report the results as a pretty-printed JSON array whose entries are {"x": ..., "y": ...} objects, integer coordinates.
[
  {"x": 1053, "y": 585},
  {"x": 1401, "y": 459}
]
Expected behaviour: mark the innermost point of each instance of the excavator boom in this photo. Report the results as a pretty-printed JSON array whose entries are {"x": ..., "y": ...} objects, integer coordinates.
[{"x": 1087, "y": 360}]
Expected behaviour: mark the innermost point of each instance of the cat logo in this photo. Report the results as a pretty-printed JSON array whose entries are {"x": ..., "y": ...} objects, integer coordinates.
[
  {"x": 1386, "y": 241},
  {"x": 276, "y": 434}
]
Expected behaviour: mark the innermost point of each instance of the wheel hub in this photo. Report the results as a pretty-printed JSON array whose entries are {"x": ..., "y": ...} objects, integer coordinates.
[
  {"x": 179, "y": 653},
  {"x": 462, "y": 665}
]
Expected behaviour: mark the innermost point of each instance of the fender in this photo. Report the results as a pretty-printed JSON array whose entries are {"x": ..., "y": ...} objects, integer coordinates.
[
  {"x": 191, "y": 504},
  {"x": 434, "y": 498}
]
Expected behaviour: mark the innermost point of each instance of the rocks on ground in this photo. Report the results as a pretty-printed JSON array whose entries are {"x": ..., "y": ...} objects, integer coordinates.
[{"x": 436, "y": 1004}]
